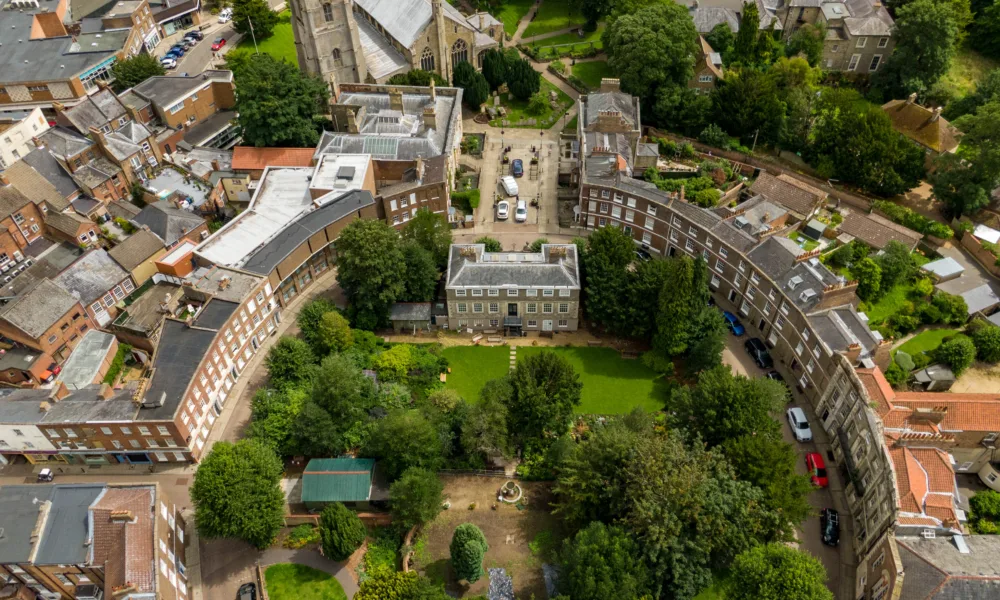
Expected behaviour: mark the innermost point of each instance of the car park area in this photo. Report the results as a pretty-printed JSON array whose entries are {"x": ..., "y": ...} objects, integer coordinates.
[{"x": 519, "y": 188}]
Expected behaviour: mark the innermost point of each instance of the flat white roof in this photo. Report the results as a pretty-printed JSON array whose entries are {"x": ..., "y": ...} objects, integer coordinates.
[
  {"x": 944, "y": 267},
  {"x": 283, "y": 195},
  {"x": 987, "y": 234}
]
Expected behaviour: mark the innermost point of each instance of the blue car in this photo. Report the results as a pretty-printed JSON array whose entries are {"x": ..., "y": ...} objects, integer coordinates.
[
  {"x": 517, "y": 168},
  {"x": 733, "y": 323},
  {"x": 178, "y": 49}
]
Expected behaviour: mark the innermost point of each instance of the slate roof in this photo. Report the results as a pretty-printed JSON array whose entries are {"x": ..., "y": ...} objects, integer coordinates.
[
  {"x": 177, "y": 358},
  {"x": 470, "y": 266},
  {"x": 38, "y": 308},
  {"x": 96, "y": 172},
  {"x": 84, "y": 364},
  {"x": 167, "y": 90},
  {"x": 39, "y": 172},
  {"x": 707, "y": 17},
  {"x": 918, "y": 124},
  {"x": 123, "y": 210},
  {"x": 66, "y": 528},
  {"x": 19, "y": 506},
  {"x": 839, "y": 328},
  {"x": 337, "y": 480},
  {"x": 876, "y": 230},
  {"x": 598, "y": 102},
  {"x": 410, "y": 311},
  {"x": 11, "y": 201},
  {"x": 250, "y": 158},
  {"x": 167, "y": 221},
  {"x": 936, "y": 570},
  {"x": 96, "y": 110},
  {"x": 127, "y": 140},
  {"x": 404, "y": 20},
  {"x": 91, "y": 276},
  {"x": 136, "y": 249},
  {"x": 791, "y": 193},
  {"x": 65, "y": 143}
]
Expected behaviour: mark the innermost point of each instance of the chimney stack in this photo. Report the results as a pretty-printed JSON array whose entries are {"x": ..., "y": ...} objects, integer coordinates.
[
  {"x": 419, "y": 168},
  {"x": 395, "y": 99},
  {"x": 912, "y": 98},
  {"x": 610, "y": 85},
  {"x": 121, "y": 515},
  {"x": 4, "y": 180},
  {"x": 352, "y": 122},
  {"x": 59, "y": 391},
  {"x": 482, "y": 22},
  {"x": 106, "y": 391},
  {"x": 215, "y": 165},
  {"x": 430, "y": 117},
  {"x": 433, "y": 91},
  {"x": 936, "y": 115}
]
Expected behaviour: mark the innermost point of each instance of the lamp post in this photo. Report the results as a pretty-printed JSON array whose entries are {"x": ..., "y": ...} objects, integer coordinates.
[{"x": 252, "y": 36}]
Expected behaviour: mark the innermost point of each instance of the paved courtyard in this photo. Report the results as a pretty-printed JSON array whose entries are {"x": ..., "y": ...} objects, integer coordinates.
[{"x": 169, "y": 180}]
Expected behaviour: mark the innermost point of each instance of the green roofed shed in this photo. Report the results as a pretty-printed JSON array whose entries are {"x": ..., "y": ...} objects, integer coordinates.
[{"x": 347, "y": 480}]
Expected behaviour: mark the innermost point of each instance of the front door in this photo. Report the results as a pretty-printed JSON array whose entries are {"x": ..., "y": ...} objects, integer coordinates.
[
  {"x": 547, "y": 325},
  {"x": 512, "y": 309}
]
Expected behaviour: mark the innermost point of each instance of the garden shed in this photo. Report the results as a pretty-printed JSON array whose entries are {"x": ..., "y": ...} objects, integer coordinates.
[
  {"x": 410, "y": 316},
  {"x": 348, "y": 480},
  {"x": 814, "y": 230},
  {"x": 944, "y": 269}
]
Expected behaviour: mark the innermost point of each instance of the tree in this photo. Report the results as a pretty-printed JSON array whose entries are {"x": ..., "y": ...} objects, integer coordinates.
[
  {"x": 869, "y": 277},
  {"x": 651, "y": 47},
  {"x": 418, "y": 77},
  {"x": 334, "y": 333},
  {"x": 681, "y": 108},
  {"x": 308, "y": 321},
  {"x": 332, "y": 419},
  {"x": 255, "y": 14},
  {"x": 746, "y": 103},
  {"x": 952, "y": 307},
  {"x": 289, "y": 362},
  {"x": 404, "y": 439},
  {"x": 394, "y": 364},
  {"x": 602, "y": 562},
  {"x": 926, "y": 33},
  {"x": 274, "y": 413},
  {"x": 807, "y": 41},
  {"x": 958, "y": 353},
  {"x": 370, "y": 266},
  {"x": 277, "y": 103},
  {"x": 708, "y": 338},
  {"x": 595, "y": 10},
  {"x": 777, "y": 572},
  {"x": 538, "y": 103},
  {"x": 897, "y": 265},
  {"x": 415, "y": 497},
  {"x": 476, "y": 90},
  {"x": 468, "y": 549},
  {"x": 431, "y": 232},
  {"x": 677, "y": 301},
  {"x": 492, "y": 245},
  {"x": 964, "y": 181},
  {"x": 536, "y": 246},
  {"x": 421, "y": 275},
  {"x": 340, "y": 531},
  {"x": 752, "y": 47},
  {"x": 987, "y": 341},
  {"x": 545, "y": 391},
  {"x": 495, "y": 68},
  {"x": 522, "y": 79},
  {"x": 237, "y": 493},
  {"x": 725, "y": 406},
  {"x": 484, "y": 430},
  {"x": 985, "y": 34},
  {"x": 387, "y": 584},
  {"x": 987, "y": 90},
  {"x": 609, "y": 253},
  {"x": 721, "y": 39},
  {"x": 134, "y": 70}
]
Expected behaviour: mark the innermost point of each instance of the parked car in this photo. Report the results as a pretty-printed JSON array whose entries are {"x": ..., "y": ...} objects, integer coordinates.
[
  {"x": 509, "y": 185},
  {"x": 196, "y": 35},
  {"x": 517, "y": 168},
  {"x": 758, "y": 352},
  {"x": 521, "y": 212},
  {"x": 169, "y": 61},
  {"x": 774, "y": 375},
  {"x": 503, "y": 210},
  {"x": 248, "y": 591},
  {"x": 817, "y": 469},
  {"x": 185, "y": 43},
  {"x": 218, "y": 44},
  {"x": 829, "y": 526},
  {"x": 733, "y": 323},
  {"x": 45, "y": 475},
  {"x": 178, "y": 50},
  {"x": 799, "y": 423},
  {"x": 225, "y": 15},
  {"x": 642, "y": 255}
]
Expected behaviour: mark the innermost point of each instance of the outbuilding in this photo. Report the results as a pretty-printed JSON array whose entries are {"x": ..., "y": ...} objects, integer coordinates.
[{"x": 351, "y": 481}]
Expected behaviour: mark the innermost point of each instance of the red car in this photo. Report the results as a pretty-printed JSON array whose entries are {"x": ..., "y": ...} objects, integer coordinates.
[
  {"x": 817, "y": 469},
  {"x": 218, "y": 44}
]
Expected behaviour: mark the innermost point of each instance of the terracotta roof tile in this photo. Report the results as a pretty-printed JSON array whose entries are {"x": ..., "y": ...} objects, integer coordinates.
[
  {"x": 249, "y": 158},
  {"x": 965, "y": 412},
  {"x": 878, "y": 388},
  {"x": 876, "y": 230},
  {"x": 925, "y": 482},
  {"x": 126, "y": 548}
]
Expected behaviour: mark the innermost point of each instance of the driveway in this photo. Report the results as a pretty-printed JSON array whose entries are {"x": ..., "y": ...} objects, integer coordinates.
[
  {"x": 973, "y": 276},
  {"x": 736, "y": 356}
]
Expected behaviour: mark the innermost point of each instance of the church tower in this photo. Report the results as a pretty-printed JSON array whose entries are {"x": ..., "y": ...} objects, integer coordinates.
[{"x": 327, "y": 42}]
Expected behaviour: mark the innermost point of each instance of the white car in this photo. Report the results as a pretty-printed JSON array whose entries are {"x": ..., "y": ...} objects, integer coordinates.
[
  {"x": 226, "y": 15},
  {"x": 168, "y": 63},
  {"x": 799, "y": 424},
  {"x": 521, "y": 212},
  {"x": 503, "y": 210},
  {"x": 509, "y": 185}
]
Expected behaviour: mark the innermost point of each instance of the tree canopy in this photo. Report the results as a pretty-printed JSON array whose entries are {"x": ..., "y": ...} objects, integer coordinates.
[
  {"x": 602, "y": 562},
  {"x": 370, "y": 265},
  {"x": 254, "y": 18},
  {"x": 544, "y": 390},
  {"x": 431, "y": 232},
  {"x": 277, "y": 105},
  {"x": 468, "y": 549},
  {"x": 415, "y": 497},
  {"x": 341, "y": 531},
  {"x": 777, "y": 572},
  {"x": 965, "y": 181},
  {"x": 134, "y": 70},
  {"x": 475, "y": 88},
  {"x": 926, "y": 33}
]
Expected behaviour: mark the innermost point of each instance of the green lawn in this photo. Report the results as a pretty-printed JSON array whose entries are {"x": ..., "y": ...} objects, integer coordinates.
[
  {"x": 926, "y": 341},
  {"x": 298, "y": 582},
  {"x": 967, "y": 69},
  {"x": 281, "y": 44},
  {"x": 472, "y": 366},
  {"x": 554, "y": 15},
  {"x": 517, "y": 110},
  {"x": 805, "y": 243},
  {"x": 592, "y": 72},
  {"x": 512, "y": 13},
  {"x": 889, "y": 304},
  {"x": 571, "y": 126}
]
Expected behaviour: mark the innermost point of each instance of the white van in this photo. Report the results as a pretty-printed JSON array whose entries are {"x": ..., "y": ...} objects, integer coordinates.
[
  {"x": 225, "y": 15},
  {"x": 509, "y": 185}
]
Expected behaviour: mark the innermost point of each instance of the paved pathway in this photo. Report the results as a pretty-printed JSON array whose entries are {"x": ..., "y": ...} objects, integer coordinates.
[
  {"x": 550, "y": 34},
  {"x": 523, "y": 24}
]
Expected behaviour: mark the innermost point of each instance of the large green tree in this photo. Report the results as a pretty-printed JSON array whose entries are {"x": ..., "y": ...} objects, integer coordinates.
[
  {"x": 340, "y": 531},
  {"x": 869, "y": 277},
  {"x": 254, "y": 19},
  {"x": 415, "y": 497},
  {"x": 274, "y": 416},
  {"x": 807, "y": 41},
  {"x": 966, "y": 180},
  {"x": 777, "y": 572},
  {"x": 277, "y": 105},
  {"x": 134, "y": 70},
  {"x": 651, "y": 47},
  {"x": 468, "y": 549},
  {"x": 421, "y": 275},
  {"x": 475, "y": 89},
  {"x": 432, "y": 232},
  {"x": 897, "y": 265},
  {"x": 405, "y": 439},
  {"x": 752, "y": 47},
  {"x": 926, "y": 33},
  {"x": 522, "y": 79},
  {"x": 484, "y": 431},
  {"x": 746, "y": 103},
  {"x": 237, "y": 493},
  {"x": 602, "y": 562},
  {"x": 308, "y": 322},
  {"x": 678, "y": 301},
  {"x": 545, "y": 389},
  {"x": 289, "y": 362},
  {"x": 610, "y": 252},
  {"x": 334, "y": 417},
  {"x": 985, "y": 34},
  {"x": 495, "y": 67},
  {"x": 370, "y": 265},
  {"x": 334, "y": 333}
]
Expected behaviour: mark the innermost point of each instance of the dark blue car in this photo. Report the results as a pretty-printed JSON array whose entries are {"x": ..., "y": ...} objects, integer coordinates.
[
  {"x": 177, "y": 49},
  {"x": 733, "y": 323},
  {"x": 517, "y": 168}
]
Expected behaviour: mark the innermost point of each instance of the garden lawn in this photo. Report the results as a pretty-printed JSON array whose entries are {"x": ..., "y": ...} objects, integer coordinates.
[
  {"x": 554, "y": 15},
  {"x": 512, "y": 13},
  {"x": 889, "y": 304},
  {"x": 805, "y": 243},
  {"x": 281, "y": 44},
  {"x": 517, "y": 110},
  {"x": 591, "y": 73},
  {"x": 570, "y": 127},
  {"x": 611, "y": 384},
  {"x": 968, "y": 68},
  {"x": 288, "y": 581},
  {"x": 472, "y": 366},
  {"x": 926, "y": 341}
]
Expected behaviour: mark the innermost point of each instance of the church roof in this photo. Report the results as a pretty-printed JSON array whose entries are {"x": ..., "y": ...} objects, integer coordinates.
[{"x": 405, "y": 20}]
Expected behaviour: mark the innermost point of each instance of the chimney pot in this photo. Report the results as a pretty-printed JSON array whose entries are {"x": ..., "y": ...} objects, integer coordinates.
[
  {"x": 936, "y": 115},
  {"x": 911, "y": 98}
]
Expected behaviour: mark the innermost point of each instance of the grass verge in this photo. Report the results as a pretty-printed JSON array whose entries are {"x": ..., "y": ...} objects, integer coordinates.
[
  {"x": 592, "y": 72},
  {"x": 281, "y": 44},
  {"x": 517, "y": 110},
  {"x": 927, "y": 341},
  {"x": 554, "y": 15}
]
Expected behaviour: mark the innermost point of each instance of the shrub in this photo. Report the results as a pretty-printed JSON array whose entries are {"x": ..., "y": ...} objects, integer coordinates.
[
  {"x": 915, "y": 221},
  {"x": 953, "y": 308},
  {"x": 923, "y": 287},
  {"x": 896, "y": 376},
  {"x": 341, "y": 531},
  {"x": 958, "y": 353},
  {"x": 117, "y": 364},
  {"x": 492, "y": 245},
  {"x": 467, "y": 200},
  {"x": 920, "y": 360},
  {"x": 666, "y": 147},
  {"x": 302, "y": 536},
  {"x": 841, "y": 257},
  {"x": 986, "y": 338},
  {"x": 707, "y": 198},
  {"x": 713, "y": 135},
  {"x": 468, "y": 548},
  {"x": 985, "y": 512},
  {"x": 558, "y": 66},
  {"x": 538, "y": 103},
  {"x": 904, "y": 324},
  {"x": 687, "y": 150},
  {"x": 904, "y": 361}
]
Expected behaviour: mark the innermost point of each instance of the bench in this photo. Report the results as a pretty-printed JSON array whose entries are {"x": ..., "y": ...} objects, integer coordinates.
[
  {"x": 593, "y": 343},
  {"x": 494, "y": 339},
  {"x": 489, "y": 331},
  {"x": 475, "y": 339}
]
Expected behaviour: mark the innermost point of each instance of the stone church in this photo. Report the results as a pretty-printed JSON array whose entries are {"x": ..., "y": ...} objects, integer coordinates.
[{"x": 369, "y": 41}]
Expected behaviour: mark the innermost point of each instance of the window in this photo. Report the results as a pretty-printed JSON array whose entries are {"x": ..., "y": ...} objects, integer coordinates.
[
  {"x": 427, "y": 60},
  {"x": 532, "y": 323},
  {"x": 564, "y": 307},
  {"x": 126, "y": 431},
  {"x": 883, "y": 42},
  {"x": 651, "y": 210},
  {"x": 547, "y": 307},
  {"x": 548, "y": 293},
  {"x": 743, "y": 266},
  {"x": 689, "y": 246},
  {"x": 723, "y": 252},
  {"x": 327, "y": 12},
  {"x": 780, "y": 322},
  {"x": 460, "y": 293},
  {"x": 630, "y": 202},
  {"x": 337, "y": 61},
  {"x": 737, "y": 280},
  {"x": 38, "y": 88},
  {"x": 647, "y": 238},
  {"x": 134, "y": 443},
  {"x": 811, "y": 366},
  {"x": 604, "y": 208},
  {"x": 563, "y": 323},
  {"x": 176, "y": 108},
  {"x": 784, "y": 308},
  {"x": 477, "y": 307},
  {"x": 494, "y": 292},
  {"x": 876, "y": 61},
  {"x": 855, "y": 59},
  {"x": 477, "y": 292},
  {"x": 459, "y": 52},
  {"x": 106, "y": 430},
  {"x": 52, "y": 433},
  {"x": 754, "y": 277},
  {"x": 862, "y": 42},
  {"x": 564, "y": 293},
  {"x": 119, "y": 292},
  {"x": 799, "y": 348},
  {"x": 718, "y": 265},
  {"x": 805, "y": 334},
  {"x": 816, "y": 350},
  {"x": 512, "y": 293},
  {"x": 751, "y": 292},
  {"x": 705, "y": 79},
  {"x": 461, "y": 307},
  {"x": 715, "y": 280},
  {"x": 494, "y": 322},
  {"x": 605, "y": 194},
  {"x": 494, "y": 307},
  {"x": 673, "y": 235},
  {"x": 532, "y": 293},
  {"x": 532, "y": 308},
  {"x": 630, "y": 216}
]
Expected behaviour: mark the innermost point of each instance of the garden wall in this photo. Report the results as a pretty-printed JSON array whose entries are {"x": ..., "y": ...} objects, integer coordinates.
[{"x": 982, "y": 256}]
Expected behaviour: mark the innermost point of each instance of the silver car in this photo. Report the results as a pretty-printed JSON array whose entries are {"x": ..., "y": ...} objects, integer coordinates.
[
  {"x": 503, "y": 210},
  {"x": 799, "y": 424},
  {"x": 521, "y": 212}
]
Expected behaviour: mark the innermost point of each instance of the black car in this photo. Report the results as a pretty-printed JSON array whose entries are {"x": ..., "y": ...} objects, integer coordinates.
[
  {"x": 758, "y": 351},
  {"x": 248, "y": 591},
  {"x": 197, "y": 35},
  {"x": 776, "y": 376},
  {"x": 641, "y": 254},
  {"x": 829, "y": 526}
]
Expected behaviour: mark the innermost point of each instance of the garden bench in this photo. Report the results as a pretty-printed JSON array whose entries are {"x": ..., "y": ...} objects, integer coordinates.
[
  {"x": 494, "y": 339},
  {"x": 475, "y": 339}
]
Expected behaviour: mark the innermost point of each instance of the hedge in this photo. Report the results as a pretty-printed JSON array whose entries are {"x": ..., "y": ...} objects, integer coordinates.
[
  {"x": 467, "y": 200},
  {"x": 915, "y": 221},
  {"x": 117, "y": 364}
]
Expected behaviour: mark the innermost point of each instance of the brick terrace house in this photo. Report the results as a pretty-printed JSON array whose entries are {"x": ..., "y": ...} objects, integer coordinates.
[
  {"x": 405, "y": 187},
  {"x": 66, "y": 541},
  {"x": 89, "y": 168},
  {"x": 45, "y": 317},
  {"x": 72, "y": 228},
  {"x": 875, "y": 230},
  {"x": 20, "y": 223},
  {"x": 801, "y": 199},
  {"x": 138, "y": 254},
  {"x": 99, "y": 283},
  {"x": 200, "y": 105},
  {"x": 707, "y": 68},
  {"x": 171, "y": 224},
  {"x": 924, "y": 126}
]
